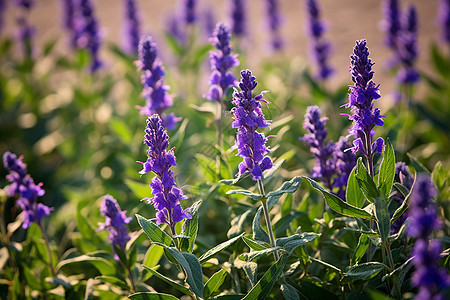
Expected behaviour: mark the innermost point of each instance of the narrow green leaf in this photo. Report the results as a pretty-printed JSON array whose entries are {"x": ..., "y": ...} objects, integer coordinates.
[
  {"x": 214, "y": 283},
  {"x": 418, "y": 166},
  {"x": 366, "y": 232},
  {"x": 325, "y": 264},
  {"x": 139, "y": 189},
  {"x": 353, "y": 194},
  {"x": 405, "y": 204},
  {"x": 114, "y": 281},
  {"x": 154, "y": 233},
  {"x": 253, "y": 255},
  {"x": 383, "y": 219},
  {"x": 403, "y": 189},
  {"x": 366, "y": 182},
  {"x": 210, "y": 253},
  {"x": 250, "y": 269},
  {"x": 288, "y": 291},
  {"x": 439, "y": 175},
  {"x": 287, "y": 187},
  {"x": 267, "y": 174},
  {"x": 339, "y": 205},
  {"x": 262, "y": 289},
  {"x": 387, "y": 170},
  {"x": 255, "y": 245},
  {"x": 151, "y": 296},
  {"x": 259, "y": 234},
  {"x": 190, "y": 228},
  {"x": 365, "y": 271},
  {"x": 361, "y": 248},
  {"x": 293, "y": 242},
  {"x": 104, "y": 266},
  {"x": 169, "y": 281},
  {"x": 246, "y": 193},
  {"x": 153, "y": 255},
  {"x": 174, "y": 44}
]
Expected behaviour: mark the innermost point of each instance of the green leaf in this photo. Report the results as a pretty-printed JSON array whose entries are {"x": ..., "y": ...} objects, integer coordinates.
[
  {"x": 403, "y": 189},
  {"x": 253, "y": 255},
  {"x": 114, "y": 281},
  {"x": 387, "y": 170},
  {"x": 122, "y": 130},
  {"x": 246, "y": 193},
  {"x": 151, "y": 296},
  {"x": 262, "y": 289},
  {"x": 439, "y": 175},
  {"x": 366, "y": 232},
  {"x": 339, "y": 205},
  {"x": 325, "y": 264},
  {"x": 169, "y": 281},
  {"x": 366, "y": 182},
  {"x": 287, "y": 187},
  {"x": 418, "y": 166},
  {"x": 214, "y": 283},
  {"x": 353, "y": 194},
  {"x": 174, "y": 44},
  {"x": 210, "y": 253},
  {"x": 288, "y": 291},
  {"x": 104, "y": 266},
  {"x": 293, "y": 242},
  {"x": 153, "y": 255},
  {"x": 365, "y": 271},
  {"x": 383, "y": 219},
  {"x": 190, "y": 228},
  {"x": 405, "y": 204},
  {"x": 140, "y": 190},
  {"x": 361, "y": 248},
  {"x": 154, "y": 233},
  {"x": 255, "y": 245},
  {"x": 229, "y": 297},
  {"x": 250, "y": 269},
  {"x": 440, "y": 63},
  {"x": 267, "y": 174},
  {"x": 259, "y": 234}
]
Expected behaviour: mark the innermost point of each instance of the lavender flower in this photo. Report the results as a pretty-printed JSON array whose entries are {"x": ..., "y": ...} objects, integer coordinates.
[
  {"x": 115, "y": 221},
  {"x": 345, "y": 161},
  {"x": 69, "y": 20},
  {"x": 88, "y": 35},
  {"x": 222, "y": 61},
  {"x": 189, "y": 11},
  {"x": 274, "y": 21},
  {"x": 444, "y": 20},
  {"x": 155, "y": 92},
  {"x": 131, "y": 27},
  {"x": 325, "y": 165},
  {"x": 362, "y": 93},
  {"x": 391, "y": 23},
  {"x": 247, "y": 118},
  {"x": 166, "y": 195},
  {"x": 26, "y": 4},
  {"x": 407, "y": 48},
  {"x": 25, "y": 35},
  {"x": 2, "y": 11},
  {"x": 174, "y": 27},
  {"x": 404, "y": 177},
  {"x": 238, "y": 17},
  {"x": 23, "y": 186},
  {"x": 320, "y": 48}
]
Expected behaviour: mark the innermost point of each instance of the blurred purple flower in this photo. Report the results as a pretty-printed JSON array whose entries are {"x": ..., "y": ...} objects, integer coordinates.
[
  {"x": 166, "y": 195},
  {"x": 391, "y": 23},
  {"x": 408, "y": 48},
  {"x": 238, "y": 17},
  {"x": 247, "y": 118},
  {"x": 444, "y": 20},
  {"x": 115, "y": 221},
  {"x": 345, "y": 161},
  {"x": 404, "y": 177},
  {"x": 88, "y": 34},
  {"x": 274, "y": 21},
  {"x": 26, "y": 4},
  {"x": 222, "y": 62},
  {"x": 320, "y": 48},
  {"x": 155, "y": 92},
  {"x": 362, "y": 93},
  {"x": 189, "y": 14},
  {"x": 174, "y": 27},
  {"x": 23, "y": 187},
  {"x": 2, "y": 13},
  {"x": 131, "y": 27},
  {"x": 69, "y": 14}
]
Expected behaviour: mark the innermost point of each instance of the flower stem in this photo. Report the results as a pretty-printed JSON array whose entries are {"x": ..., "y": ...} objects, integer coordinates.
[
  {"x": 47, "y": 247},
  {"x": 219, "y": 136},
  {"x": 267, "y": 217}
]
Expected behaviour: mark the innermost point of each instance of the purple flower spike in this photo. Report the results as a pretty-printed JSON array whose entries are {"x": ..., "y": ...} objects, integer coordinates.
[
  {"x": 391, "y": 23},
  {"x": 247, "y": 118},
  {"x": 345, "y": 161},
  {"x": 155, "y": 92},
  {"x": 23, "y": 187},
  {"x": 403, "y": 176},
  {"x": 189, "y": 11},
  {"x": 274, "y": 21},
  {"x": 361, "y": 97},
  {"x": 408, "y": 48},
  {"x": 444, "y": 20},
  {"x": 2, "y": 12},
  {"x": 115, "y": 221},
  {"x": 132, "y": 27},
  {"x": 320, "y": 48},
  {"x": 166, "y": 195},
  {"x": 222, "y": 62},
  {"x": 88, "y": 34},
  {"x": 238, "y": 17},
  {"x": 26, "y": 4},
  {"x": 69, "y": 21}
]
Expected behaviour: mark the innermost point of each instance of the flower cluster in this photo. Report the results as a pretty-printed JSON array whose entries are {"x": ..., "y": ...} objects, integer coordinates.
[
  {"x": 247, "y": 118},
  {"x": 115, "y": 221},
  {"x": 444, "y": 20},
  {"x": 166, "y": 195},
  {"x": 362, "y": 93},
  {"x": 70, "y": 21},
  {"x": 23, "y": 186},
  {"x": 407, "y": 48},
  {"x": 156, "y": 93},
  {"x": 320, "y": 48},
  {"x": 238, "y": 17},
  {"x": 274, "y": 21},
  {"x": 222, "y": 61},
  {"x": 334, "y": 162},
  {"x": 427, "y": 277},
  {"x": 132, "y": 27},
  {"x": 26, "y": 31}
]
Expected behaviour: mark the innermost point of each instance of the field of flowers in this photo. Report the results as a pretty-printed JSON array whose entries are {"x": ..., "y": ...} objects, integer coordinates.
[{"x": 164, "y": 168}]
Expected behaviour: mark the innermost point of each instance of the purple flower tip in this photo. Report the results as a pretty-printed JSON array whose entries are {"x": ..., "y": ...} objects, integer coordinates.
[{"x": 115, "y": 221}]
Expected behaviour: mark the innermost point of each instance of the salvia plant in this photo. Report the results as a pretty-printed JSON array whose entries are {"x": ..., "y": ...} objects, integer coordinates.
[{"x": 300, "y": 192}]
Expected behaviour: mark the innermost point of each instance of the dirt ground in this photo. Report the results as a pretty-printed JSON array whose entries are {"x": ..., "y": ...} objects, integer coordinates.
[{"x": 349, "y": 20}]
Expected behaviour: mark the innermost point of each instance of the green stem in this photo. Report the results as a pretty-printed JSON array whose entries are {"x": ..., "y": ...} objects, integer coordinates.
[
  {"x": 47, "y": 247},
  {"x": 267, "y": 217},
  {"x": 219, "y": 137},
  {"x": 392, "y": 265}
]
